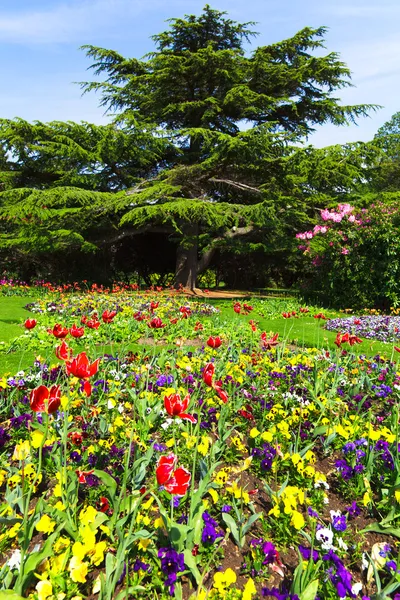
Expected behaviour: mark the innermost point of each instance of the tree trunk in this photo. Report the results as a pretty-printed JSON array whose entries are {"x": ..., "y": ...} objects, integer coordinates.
[{"x": 187, "y": 259}]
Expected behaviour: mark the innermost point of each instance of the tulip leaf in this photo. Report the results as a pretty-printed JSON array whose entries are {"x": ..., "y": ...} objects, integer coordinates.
[
  {"x": 10, "y": 595},
  {"x": 311, "y": 591}
]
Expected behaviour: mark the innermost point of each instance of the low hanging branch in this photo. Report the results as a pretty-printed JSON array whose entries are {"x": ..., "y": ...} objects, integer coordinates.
[
  {"x": 237, "y": 185},
  {"x": 208, "y": 254}
]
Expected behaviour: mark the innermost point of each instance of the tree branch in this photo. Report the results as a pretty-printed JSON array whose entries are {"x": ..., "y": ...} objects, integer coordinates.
[
  {"x": 208, "y": 254},
  {"x": 131, "y": 232},
  {"x": 236, "y": 184}
]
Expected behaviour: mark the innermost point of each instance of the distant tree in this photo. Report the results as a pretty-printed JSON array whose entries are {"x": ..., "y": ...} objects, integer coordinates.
[{"x": 387, "y": 172}]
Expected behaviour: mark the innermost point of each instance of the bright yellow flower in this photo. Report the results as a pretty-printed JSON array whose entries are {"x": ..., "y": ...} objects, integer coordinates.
[
  {"x": 238, "y": 492},
  {"x": 275, "y": 511},
  {"x": 267, "y": 436},
  {"x": 254, "y": 432},
  {"x": 44, "y": 589},
  {"x": 158, "y": 523},
  {"x": 297, "y": 520},
  {"x": 214, "y": 495},
  {"x": 249, "y": 590},
  {"x": 3, "y": 474},
  {"x": 21, "y": 451},
  {"x": 98, "y": 555},
  {"x": 77, "y": 570},
  {"x": 144, "y": 543},
  {"x": 203, "y": 447},
  {"x": 88, "y": 515},
  {"x": 224, "y": 580},
  {"x": 45, "y": 524}
]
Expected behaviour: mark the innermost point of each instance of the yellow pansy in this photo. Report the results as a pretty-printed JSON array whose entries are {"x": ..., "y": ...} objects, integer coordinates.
[
  {"x": 267, "y": 436},
  {"x": 21, "y": 451},
  {"x": 45, "y": 524},
  {"x": 144, "y": 543},
  {"x": 203, "y": 447},
  {"x": 238, "y": 492},
  {"x": 224, "y": 580},
  {"x": 88, "y": 515},
  {"x": 275, "y": 511},
  {"x": 77, "y": 570},
  {"x": 254, "y": 432},
  {"x": 297, "y": 520},
  {"x": 158, "y": 523},
  {"x": 98, "y": 555},
  {"x": 249, "y": 590},
  {"x": 214, "y": 495},
  {"x": 222, "y": 477},
  {"x": 44, "y": 589}
]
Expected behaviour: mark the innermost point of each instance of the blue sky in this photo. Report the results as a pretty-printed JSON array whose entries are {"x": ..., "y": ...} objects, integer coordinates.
[{"x": 40, "y": 57}]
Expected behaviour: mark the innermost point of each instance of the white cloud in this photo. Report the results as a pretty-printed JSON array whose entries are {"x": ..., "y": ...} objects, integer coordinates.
[{"x": 66, "y": 22}]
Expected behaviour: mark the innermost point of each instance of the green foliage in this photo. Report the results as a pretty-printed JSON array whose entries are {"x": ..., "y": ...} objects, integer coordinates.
[
  {"x": 356, "y": 264},
  {"x": 176, "y": 160}
]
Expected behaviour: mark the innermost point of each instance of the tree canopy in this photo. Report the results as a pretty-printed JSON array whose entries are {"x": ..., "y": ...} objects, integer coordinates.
[{"x": 202, "y": 147}]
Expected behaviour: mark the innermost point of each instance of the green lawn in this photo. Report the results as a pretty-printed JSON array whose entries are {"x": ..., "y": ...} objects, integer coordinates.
[
  {"x": 307, "y": 332},
  {"x": 303, "y": 332}
]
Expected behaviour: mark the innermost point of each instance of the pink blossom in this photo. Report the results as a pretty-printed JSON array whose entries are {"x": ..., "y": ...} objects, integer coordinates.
[
  {"x": 345, "y": 250},
  {"x": 352, "y": 218},
  {"x": 345, "y": 209}
]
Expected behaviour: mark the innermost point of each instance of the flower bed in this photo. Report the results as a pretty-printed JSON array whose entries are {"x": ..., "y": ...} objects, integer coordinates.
[
  {"x": 374, "y": 327},
  {"x": 235, "y": 469}
]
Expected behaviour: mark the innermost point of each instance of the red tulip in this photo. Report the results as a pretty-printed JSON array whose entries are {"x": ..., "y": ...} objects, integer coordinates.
[
  {"x": 77, "y": 332},
  {"x": 237, "y": 307},
  {"x": 165, "y": 467},
  {"x": 353, "y": 339},
  {"x": 63, "y": 352},
  {"x": 43, "y": 399},
  {"x": 174, "y": 482},
  {"x": 176, "y": 407},
  {"x": 93, "y": 323},
  {"x": 30, "y": 323},
  {"x": 247, "y": 308},
  {"x": 59, "y": 331},
  {"x": 198, "y": 326},
  {"x": 268, "y": 344},
  {"x": 108, "y": 316},
  {"x": 156, "y": 323},
  {"x": 153, "y": 306},
  {"x": 253, "y": 325},
  {"x": 208, "y": 374},
  {"x": 214, "y": 342},
  {"x": 80, "y": 366},
  {"x": 220, "y": 392}
]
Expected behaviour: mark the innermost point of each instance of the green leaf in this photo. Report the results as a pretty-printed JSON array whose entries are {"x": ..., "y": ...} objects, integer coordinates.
[
  {"x": 190, "y": 562},
  {"x": 233, "y": 527},
  {"x": 9, "y": 595},
  {"x": 108, "y": 481},
  {"x": 311, "y": 590},
  {"x": 376, "y": 528},
  {"x": 250, "y": 522}
]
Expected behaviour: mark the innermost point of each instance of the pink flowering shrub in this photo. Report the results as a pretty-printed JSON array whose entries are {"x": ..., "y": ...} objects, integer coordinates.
[{"x": 352, "y": 259}]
